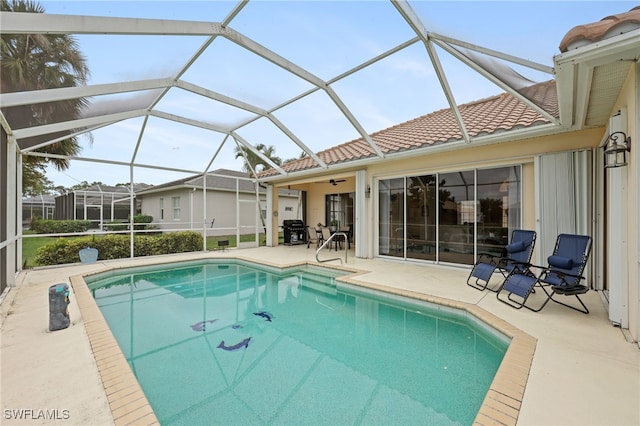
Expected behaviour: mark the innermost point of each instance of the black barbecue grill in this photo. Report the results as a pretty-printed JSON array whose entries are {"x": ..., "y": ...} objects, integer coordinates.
[{"x": 294, "y": 231}]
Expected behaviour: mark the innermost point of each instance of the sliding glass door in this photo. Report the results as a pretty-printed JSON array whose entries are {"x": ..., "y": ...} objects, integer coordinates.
[{"x": 449, "y": 217}]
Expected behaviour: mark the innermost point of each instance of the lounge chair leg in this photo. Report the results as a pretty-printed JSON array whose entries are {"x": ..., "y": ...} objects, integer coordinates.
[
  {"x": 477, "y": 284},
  {"x": 549, "y": 297},
  {"x": 585, "y": 310},
  {"x": 510, "y": 301},
  {"x": 519, "y": 285}
]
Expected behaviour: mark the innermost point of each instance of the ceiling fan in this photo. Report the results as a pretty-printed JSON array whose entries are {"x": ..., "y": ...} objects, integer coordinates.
[{"x": 334, "y": 182}]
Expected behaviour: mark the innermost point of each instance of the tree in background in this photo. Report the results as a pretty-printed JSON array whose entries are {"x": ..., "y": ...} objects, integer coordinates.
[
  {"x": 41, "y": 61},
  {"x": 253, "y": 162},
  {"x": 303, "y": 154}
]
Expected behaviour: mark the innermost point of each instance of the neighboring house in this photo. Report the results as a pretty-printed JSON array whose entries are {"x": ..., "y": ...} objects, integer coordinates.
[
  {"x": 40, "y": 206},
  {"x": 438, "y": 191},
  {"x": 99, "y": 204},
  {"x": 231, "y": 205}
]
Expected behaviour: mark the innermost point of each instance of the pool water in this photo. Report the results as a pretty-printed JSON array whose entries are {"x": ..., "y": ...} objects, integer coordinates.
[{"x": 236, "y": 343}]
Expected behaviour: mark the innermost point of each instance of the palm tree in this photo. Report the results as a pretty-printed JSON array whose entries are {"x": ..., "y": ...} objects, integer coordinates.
[
  {"x": 41, "y": 61},
  {"x": 303, "y": 154},
  {"x": 253, "y": 162}
]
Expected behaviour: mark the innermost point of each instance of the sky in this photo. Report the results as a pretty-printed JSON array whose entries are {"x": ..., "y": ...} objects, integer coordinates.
[{"x": 327, "y": 38}]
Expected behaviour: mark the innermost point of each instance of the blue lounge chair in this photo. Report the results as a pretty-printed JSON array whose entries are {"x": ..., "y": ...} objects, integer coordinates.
[
  {"x": 562, "y": 276},
  {"x": 517, "y": 255}
]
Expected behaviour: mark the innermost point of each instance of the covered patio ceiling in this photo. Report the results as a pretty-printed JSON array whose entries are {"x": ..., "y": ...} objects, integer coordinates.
[{"x": 213, "y": 105}]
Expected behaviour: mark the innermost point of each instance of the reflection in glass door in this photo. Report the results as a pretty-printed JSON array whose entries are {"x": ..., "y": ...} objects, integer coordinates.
[
  {"x": 421, "y": 217},
  {"x": 499, "y": 203},
  {"x": 457, "y": 218},
  {"x": 449, "y": 217},
  {"x": 391, "y": 217}
]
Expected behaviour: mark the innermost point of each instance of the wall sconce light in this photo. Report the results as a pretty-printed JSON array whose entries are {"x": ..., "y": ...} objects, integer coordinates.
[
  {"x": 615, "y": 150},
  {"x": 367, "y": 192}
]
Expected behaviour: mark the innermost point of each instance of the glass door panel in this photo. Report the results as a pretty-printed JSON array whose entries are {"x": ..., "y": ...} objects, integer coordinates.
[
  {"x": 391, "y": 217},
  {"x": 499, "y": 200},
  {"x": 421, "y": 217},
  {"x": 457, "y": 216}
]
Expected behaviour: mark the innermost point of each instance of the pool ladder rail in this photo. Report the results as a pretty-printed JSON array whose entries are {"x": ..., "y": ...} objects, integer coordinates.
[{"x": 331, "y": 238}]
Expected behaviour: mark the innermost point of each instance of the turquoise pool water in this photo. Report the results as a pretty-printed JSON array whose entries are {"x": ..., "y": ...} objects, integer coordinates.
[{"x": 236, "y": 343}]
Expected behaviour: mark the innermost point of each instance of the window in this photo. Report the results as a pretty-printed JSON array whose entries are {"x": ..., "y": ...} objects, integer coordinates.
[
  {"x": 339, "y": 209},
  {"x": 449, "y": 217},
  {"x": 161, "y": 208},
  {"x": 175, "y": 203}
]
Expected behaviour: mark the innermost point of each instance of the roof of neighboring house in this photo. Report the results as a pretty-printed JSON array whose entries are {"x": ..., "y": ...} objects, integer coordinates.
[
  {"x": 605, "y": 28},
  {"x": 106, "y": 189},
  {"x": 39, "y": 199},
  {"x": 483, "y": 117},
  {"x": 219, "y": 180}
]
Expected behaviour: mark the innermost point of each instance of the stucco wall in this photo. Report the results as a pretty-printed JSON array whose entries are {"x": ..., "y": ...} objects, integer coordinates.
[
  {"x": 316, "y": 198},
  {"x": 221, "y": 205},
  {"x": 521, "y": 152},
  {"x": 629, "y": 100}
]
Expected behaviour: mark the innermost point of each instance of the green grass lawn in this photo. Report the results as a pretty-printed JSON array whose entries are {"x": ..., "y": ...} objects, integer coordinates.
[{"x": 30, "y": 247}]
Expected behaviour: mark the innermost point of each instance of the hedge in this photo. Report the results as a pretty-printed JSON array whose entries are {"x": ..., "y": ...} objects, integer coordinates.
[
  {"x": 140, "y": 222},
  {"x": 65, "y": 250},
  {"x": 49, "y": 226}
]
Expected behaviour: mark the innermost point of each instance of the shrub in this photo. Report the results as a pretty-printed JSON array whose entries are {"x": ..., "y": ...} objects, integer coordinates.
[
  {"x": 49, "y": 226},
  {"x": 116, "y": 226},
  {"x": 140, "y": 222},
  {"x": 65, "y": 250}
]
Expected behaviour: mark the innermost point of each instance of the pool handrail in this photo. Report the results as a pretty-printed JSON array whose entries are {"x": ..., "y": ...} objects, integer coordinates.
[{"x": 328, "y": 241}]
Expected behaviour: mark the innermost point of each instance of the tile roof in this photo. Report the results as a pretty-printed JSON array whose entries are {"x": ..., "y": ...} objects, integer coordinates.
[
  {"x": 483, "y": 117},
  {"x": 219, "y": 180},
  {"x": 607, "y": 27},
  {"x": 214, "y": 181}
]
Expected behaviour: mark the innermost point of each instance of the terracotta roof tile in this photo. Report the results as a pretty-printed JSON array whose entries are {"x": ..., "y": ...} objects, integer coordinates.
[
  {"x": 605, "y": 28},
  {"x": 484, "y": 117}
]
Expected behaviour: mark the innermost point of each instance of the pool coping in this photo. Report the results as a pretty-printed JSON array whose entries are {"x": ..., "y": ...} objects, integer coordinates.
[{"x": 129, "y": 405}]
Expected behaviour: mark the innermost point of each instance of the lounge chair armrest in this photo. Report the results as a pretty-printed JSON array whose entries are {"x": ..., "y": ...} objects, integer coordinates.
[
  {"x": 562, "y": 275},
  {"x": 518, "y": 262},
  {"x": 565, "y": 274}
]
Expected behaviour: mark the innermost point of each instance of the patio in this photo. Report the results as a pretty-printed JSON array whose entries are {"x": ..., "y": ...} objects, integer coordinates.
[{"x": 580, "y": 361}]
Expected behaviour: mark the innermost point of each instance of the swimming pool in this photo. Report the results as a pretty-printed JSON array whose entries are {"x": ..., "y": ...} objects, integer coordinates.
[{"x": 317, "y": 351}]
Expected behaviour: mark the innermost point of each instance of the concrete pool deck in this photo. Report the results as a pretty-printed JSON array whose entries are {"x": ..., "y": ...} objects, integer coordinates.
[{"x": 583, "y": 370}]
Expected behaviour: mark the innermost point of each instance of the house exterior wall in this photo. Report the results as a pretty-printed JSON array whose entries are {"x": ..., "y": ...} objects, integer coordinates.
[
  {"x": 221, "y": 206},
  {"x": 630, "y": 100},
  {"x": 522, "y": 152},
  {"x": 316, "y": 198}
]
